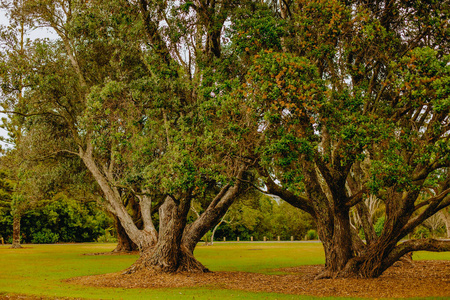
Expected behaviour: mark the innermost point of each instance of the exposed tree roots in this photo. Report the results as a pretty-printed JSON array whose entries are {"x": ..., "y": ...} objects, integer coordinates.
[{"x": 184, "y": 262}]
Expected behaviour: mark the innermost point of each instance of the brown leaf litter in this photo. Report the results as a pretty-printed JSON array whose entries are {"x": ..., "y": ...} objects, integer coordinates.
[{"x": 417, "y": 279}]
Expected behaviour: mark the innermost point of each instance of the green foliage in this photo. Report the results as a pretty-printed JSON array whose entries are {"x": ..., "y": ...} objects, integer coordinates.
[
  {"x": 379, "y": 225},
  {"x": 6, "y": 190},
  {"x": 207, "y": 237},
  {"x": 107, "y": 237},
  {"x": 62, "y": 219},
  {"x": 45, "y": 236},
  {"x": 262, "y": 216},
  {"x": 311, "y": 235},
  {"x": 255, "y": 27},
  {"x": 422, "y": 232}
]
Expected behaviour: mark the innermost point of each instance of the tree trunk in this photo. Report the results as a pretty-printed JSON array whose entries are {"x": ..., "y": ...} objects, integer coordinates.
[
  {"x": 144, "y": 239},
  {"x": 341, "y": 251},
  {"x": 338, "y": 245},
  {"x": 214, "y": 230},
  {"x": 16, "y": 232},
  {"x": 124, "y": 243},
  {"x": 163, "y": 251},
  {"x": 169, "y": 254}
]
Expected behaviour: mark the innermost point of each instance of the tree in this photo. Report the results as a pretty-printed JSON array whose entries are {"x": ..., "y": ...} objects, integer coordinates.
[
  {"x": 351, "y": 82},
  {"x": 115, "y": 91}
]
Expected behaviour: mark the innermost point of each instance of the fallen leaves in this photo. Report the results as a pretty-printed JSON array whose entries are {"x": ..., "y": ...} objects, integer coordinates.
[{"x": 420, "y": 279}]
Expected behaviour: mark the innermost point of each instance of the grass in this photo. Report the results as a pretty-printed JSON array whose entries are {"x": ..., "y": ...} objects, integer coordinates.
[
  {"x": 259, "y": 257},
  {"x": 39, "y": 269}
]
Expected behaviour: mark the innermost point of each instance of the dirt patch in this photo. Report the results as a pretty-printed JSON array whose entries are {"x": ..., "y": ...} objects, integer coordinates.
[{"x": 418, "y": 279}]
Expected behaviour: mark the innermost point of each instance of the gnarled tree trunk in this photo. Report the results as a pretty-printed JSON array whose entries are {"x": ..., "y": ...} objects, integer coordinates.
[
  {"x": 341, "y": 251},
  {"x": 170, "y": 249},
  {"x": 176, "y": 241},
  {"x": 337, "y": 242},
  {"x": 169, "y": 254}
]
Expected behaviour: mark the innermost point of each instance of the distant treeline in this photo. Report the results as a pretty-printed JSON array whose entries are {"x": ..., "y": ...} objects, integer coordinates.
[{"x": 61, "y": 219}]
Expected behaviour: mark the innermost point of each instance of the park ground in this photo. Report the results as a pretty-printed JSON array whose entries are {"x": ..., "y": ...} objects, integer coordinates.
[{"x": 244, "y": 270}]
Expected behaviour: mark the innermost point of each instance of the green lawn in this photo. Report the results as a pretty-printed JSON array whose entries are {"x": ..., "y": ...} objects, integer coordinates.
[{"x": 39, "y": 269}]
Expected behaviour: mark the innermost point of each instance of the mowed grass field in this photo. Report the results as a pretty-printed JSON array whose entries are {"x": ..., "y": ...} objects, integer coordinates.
[{"x": 40, "y": 269}]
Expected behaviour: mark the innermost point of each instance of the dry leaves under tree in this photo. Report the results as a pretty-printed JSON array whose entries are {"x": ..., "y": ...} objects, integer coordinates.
[{"x": 417, "y": 279}]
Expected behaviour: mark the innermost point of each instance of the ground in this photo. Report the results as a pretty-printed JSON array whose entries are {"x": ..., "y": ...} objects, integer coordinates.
[{"x": 416, "y": 279}]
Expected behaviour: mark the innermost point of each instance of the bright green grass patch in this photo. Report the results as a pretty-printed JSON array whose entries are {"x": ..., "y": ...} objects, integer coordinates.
[
  {"x": 259, "y": 257},
  {"x": 425, "y": 255},
  {"x": 40, "y": 269}
]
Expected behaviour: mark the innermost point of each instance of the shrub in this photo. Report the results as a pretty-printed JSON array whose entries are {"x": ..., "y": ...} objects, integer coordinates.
[
  {"x": 70, "y": 220},
  {"x": 311, "y": 235},
  {"x": 45, "y": 236},
  {"x": 379, "y": 225},
  {"x": 421, "y": 232},
  {"x": 107, "y": 237}
]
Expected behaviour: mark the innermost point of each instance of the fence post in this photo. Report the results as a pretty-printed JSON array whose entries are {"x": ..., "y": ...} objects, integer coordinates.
[
  {"x": 278, "y": 237},
  {"x": 224, "y": 239},
  {"x": 251, "y": 239},
  {"x": 292, "y": 238},
  {"x": 238, "y": 239},
  {"x": 265, "y": 239}
]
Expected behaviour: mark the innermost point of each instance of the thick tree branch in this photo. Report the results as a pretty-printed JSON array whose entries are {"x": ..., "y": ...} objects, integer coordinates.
[
  {"x": 215, "y": 211},
  {"x": 356, "y": 198},
  {"x": 53, "y": 154},
  {"x": 300, "y": 202},
  {"x": 151, "y": 30},
  {"x": 415, "y": 245},
  {"x": 145, "y": 202},
  {"x": 433, "y": 199},
  {"x": 432, "y": 208}
]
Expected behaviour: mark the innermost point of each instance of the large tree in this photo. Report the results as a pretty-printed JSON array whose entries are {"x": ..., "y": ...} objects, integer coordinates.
[
  {"x": 117, "y": 91},
  {"x": 352, "y": 102}
]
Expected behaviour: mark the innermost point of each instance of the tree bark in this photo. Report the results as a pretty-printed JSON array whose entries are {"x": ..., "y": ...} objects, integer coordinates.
[
  {"x": 212, "y": 215},
  {"x": 16, "y": 231},
  {"x": 341, "y": 252},
  {"x": 169, "y": 254},
  {"x": 143, "y": 238},
  {"x": 124, "y": 243},
  {"x": 337, "y": 243},
  {"x": 176, "y": 242}
]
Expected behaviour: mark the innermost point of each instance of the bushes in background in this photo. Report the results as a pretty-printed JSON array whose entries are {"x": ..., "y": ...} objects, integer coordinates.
[{"x": 61, "y": 219}]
